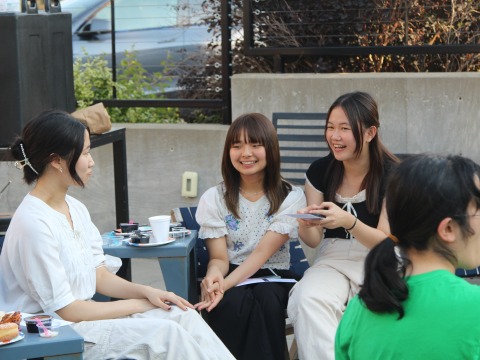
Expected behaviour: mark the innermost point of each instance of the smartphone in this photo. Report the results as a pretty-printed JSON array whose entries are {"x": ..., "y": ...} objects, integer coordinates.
[{"x": 307, "y": 216}]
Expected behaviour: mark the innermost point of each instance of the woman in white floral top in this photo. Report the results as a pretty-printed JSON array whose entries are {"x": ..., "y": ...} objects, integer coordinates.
[{"x": 247, "y": 232}]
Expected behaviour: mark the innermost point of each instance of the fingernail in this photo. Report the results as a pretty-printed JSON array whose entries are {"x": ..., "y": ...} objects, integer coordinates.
[{"x": 169, "y": 308}]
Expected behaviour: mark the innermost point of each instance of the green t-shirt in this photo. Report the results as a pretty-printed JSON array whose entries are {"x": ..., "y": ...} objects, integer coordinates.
[{"x": 442, "y": 321}]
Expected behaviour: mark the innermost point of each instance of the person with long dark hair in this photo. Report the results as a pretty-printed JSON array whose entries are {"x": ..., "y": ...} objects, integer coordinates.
[
  {"x": 52, "y": 260},
  {"x": 247, "y": 231},
  {"x": 411, "y": 305},
  {"x": 346, "y": 188}
]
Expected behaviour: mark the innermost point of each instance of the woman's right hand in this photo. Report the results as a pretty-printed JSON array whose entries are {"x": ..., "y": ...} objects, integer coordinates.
[
  {"x": 165, "y": 299},
  {"x": 311, "y": 209},
  {"x": 311, "y": 230}
]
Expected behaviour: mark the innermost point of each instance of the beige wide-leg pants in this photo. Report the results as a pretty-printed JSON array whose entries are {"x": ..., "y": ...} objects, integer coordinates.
[{"x": 317, "y": 302}]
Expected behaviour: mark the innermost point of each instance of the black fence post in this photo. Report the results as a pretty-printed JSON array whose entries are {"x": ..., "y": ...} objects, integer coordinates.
[{"x": 227, "y": 69}]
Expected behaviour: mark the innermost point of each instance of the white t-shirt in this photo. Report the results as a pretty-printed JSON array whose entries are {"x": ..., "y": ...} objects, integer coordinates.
[
  {"x": 45, "y": 265},
  {"x": 244, "y": 234}
]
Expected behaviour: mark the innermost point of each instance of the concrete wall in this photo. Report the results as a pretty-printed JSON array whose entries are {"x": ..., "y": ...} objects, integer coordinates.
[
  {"x": 157, "y": 156},
  {"x": 419, "y": 112}
]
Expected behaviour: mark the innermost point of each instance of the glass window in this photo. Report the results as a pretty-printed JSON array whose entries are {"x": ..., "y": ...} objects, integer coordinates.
[
  {"x": 76, "y": 7},
  {"x": 146, "y": 14}
]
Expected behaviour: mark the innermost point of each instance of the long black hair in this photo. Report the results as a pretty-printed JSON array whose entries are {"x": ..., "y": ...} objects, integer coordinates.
[
  {"x": 51, "y": 134},
  {"x": 421, "y": 192},
  {"x": 362, "y": 113}
]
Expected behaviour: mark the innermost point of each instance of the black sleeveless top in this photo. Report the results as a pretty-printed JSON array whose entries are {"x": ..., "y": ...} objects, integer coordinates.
[{"x": 317, "y": 175}]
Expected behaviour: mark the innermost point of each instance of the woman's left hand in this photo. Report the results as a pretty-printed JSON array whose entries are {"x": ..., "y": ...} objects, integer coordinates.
[
  {"x": 211, "y": 298},
  {"x": 164, "y": 299},
  {"x": 335, "y": 217}
]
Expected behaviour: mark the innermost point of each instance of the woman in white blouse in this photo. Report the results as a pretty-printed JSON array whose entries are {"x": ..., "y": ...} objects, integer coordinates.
[
  {"x": 52, "y": 260},
  {"x": 244, "y": 223}
]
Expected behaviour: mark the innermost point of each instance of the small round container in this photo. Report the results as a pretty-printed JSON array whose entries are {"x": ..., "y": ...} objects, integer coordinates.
[
  {"x": 48, "y": 331},
  {"x": 31, "y": 323},
  {"x": 140, "y": 238},
  {"x": 178, "y": 232}
]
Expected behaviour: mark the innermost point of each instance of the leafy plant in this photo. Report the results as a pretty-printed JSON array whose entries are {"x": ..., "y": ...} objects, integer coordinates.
[{"x": 93, "y": 81}]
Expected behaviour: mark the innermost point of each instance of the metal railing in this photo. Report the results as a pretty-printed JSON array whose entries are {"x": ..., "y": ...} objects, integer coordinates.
[
  {"x": 277, "y": 29},
  {"x": 285, "y": 29}
]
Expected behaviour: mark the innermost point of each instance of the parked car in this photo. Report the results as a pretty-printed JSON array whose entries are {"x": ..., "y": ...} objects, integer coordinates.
[{"x": 159, "y": 31}]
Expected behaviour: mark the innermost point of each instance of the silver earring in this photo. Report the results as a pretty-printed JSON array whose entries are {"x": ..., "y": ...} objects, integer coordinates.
[{"x": 61, "y": 170}]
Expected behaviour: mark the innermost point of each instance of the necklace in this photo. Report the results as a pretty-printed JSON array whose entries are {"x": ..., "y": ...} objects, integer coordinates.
[{"x": 250, "y": 193}]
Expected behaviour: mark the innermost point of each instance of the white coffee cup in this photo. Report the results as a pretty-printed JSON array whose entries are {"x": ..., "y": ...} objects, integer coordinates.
[{"x": 160, "y": 227}]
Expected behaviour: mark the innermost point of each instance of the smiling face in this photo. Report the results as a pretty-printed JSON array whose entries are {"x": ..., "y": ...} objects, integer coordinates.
[
  {"x": 248, "y": 158},
  {"x": 339, "y": 135},
  {"x": 85, "y": 163},
  {"x": 341, "y": 139}
]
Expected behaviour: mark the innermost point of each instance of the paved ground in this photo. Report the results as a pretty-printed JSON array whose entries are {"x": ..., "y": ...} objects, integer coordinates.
[
  {"x": 147, "y": 272},
  {"x": 475, "y": 280}
]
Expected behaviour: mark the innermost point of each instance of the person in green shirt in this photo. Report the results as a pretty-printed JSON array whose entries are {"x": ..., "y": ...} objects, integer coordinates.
[{"x": 411, "y": 305}]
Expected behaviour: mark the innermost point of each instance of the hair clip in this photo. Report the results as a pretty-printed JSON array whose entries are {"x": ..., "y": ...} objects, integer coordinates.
[{"x": 20, "y": 164}]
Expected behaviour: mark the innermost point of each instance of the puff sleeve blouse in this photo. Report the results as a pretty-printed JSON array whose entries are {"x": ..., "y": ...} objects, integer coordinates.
[{"x": 243, "y": 235}]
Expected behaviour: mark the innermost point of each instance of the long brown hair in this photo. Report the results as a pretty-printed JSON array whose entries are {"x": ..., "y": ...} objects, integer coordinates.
[
  {"x": 256, "y": 128},
  {"x": 362, "y": 113}
]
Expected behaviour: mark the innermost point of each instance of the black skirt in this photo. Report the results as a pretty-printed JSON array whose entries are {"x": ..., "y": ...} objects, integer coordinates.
[{"x": 250, "y": 319}]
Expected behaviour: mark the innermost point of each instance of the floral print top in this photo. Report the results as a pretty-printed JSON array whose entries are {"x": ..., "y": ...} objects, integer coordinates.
[{"x": 243, "y": 235}]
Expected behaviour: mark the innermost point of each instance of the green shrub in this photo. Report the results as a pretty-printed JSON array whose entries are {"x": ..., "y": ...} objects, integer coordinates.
[{"x": 93, "y": 81}]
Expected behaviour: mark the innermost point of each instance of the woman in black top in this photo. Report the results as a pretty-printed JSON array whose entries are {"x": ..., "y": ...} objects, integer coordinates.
[{"x": 346, "y": 187}]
